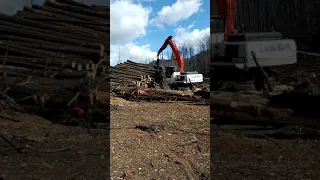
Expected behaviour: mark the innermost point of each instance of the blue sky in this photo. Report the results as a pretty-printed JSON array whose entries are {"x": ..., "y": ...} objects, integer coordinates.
[{"x": 139, "y": 27}]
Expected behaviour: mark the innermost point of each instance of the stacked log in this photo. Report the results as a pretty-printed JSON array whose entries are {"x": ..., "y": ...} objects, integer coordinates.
[
  {"x": 54, "y": 55},
  {"x": 132, "y": 74},
  {"x": 133, "y": 80}
]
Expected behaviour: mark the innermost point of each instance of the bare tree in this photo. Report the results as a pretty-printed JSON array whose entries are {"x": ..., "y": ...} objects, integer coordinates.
[
  {"x": 191, "y": 58},
  {"x": 185, "y": 54},
  {"x": 201, "y": 49},
  {"x": 184, "y": 50},
  {"x": 206, "y": 53},
  {"x": 207, "y": 41}
]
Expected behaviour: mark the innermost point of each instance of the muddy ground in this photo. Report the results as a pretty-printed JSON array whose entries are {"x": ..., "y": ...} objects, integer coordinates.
[
  {"x": 152, "y": 140},
  {"x": 58, "y": 152},
  {"x": 243, "y": 152},
  {"x": 54, "y": 151}
]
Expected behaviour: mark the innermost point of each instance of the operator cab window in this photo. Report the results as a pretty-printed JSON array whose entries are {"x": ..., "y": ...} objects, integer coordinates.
[{"x": 169, "y": 71}]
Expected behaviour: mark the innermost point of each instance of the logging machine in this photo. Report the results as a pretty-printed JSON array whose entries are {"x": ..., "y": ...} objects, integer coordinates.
[
  {"x": 245, "y": 57},
  {"x": 176, "y": 77}
]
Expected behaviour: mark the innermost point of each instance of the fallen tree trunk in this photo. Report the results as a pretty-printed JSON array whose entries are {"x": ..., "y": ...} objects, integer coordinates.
[
  {"x": 42, "y": 63},
  {"x": 44, "y": 36},
  {"x": 24, "y": 72},
  {"x": 123, "y": 72},
  {"x": 51, "y": 32},
  {"x": 57, "y": 48},
  {"x": 65, "y": 19},
  {"x": 36, "y": 53},
  {"x": 156, "y": 93},
  {"x": 137, "y": 66},
  {"x": 74, "y": 15},
  {"x": 13, "y": 21},
  {"x": 91, "y": 48},
  {"x": 148, "y": 91}
]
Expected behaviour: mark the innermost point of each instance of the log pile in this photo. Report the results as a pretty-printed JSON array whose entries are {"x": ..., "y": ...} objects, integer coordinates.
[
  {"x": 135, "y": 81},
  {"x": 54, "y": 58},
  {"x": 132, "y": 74},
  {"x": 294, "y": 102}
]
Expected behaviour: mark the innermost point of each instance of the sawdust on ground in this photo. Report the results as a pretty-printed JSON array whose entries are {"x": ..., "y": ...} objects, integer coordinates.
[
  {"x": 173, "y": 143},
  {"x": 78, "y": 155},
  {"x": 251, "y": 153}
]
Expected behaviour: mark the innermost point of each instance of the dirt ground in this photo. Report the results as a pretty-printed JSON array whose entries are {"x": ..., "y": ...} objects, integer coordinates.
[
  {"x": 56, "y": 152},
  {"x": 159, "y": 140},
  {"x": 251, "y": 153}
]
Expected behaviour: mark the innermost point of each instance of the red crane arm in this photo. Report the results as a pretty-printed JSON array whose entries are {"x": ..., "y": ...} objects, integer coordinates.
[
  {"x": 228, "y": 9},
  {"x": 175, "y": 50}
]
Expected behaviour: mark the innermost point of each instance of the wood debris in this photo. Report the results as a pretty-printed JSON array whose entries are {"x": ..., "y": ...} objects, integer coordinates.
[
  {"x": 293, "y": 102},
  {"x": 55, "y": 59}
]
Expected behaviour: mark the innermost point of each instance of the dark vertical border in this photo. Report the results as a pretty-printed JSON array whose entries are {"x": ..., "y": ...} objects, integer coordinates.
[
  {"x": 212, "y": 10},
  {"x": 108, "y": 117}
]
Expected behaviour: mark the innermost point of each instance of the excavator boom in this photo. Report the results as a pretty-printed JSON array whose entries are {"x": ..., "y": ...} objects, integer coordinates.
[
  {"x": 226, "y": 10},
  {"x": 175, "y": 51}
]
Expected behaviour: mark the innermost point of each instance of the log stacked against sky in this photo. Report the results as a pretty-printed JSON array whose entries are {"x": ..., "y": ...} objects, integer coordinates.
[
  {"x": 54, "y": 53},
  {"x": 130, "y": 73}
]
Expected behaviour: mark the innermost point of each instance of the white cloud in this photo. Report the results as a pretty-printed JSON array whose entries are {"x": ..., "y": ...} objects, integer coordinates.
[
  {"x": 139, "y": 1},
  {"x": 191, "y": 25},
  {"x": 131, "y": 51},
  {"x": 128, "y": 21},
  {"x": 193, "y": 37},
  {"x": 180, "y": 10}
]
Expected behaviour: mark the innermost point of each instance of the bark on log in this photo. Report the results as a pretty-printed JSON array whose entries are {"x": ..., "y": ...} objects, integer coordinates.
[
  {"x": 12, "y": 21},
  {"x": 56, "y": 46},
  {"x": 142, "y": 66},
  {"x": 42, "y": 87},
  {"x": 156, "y": 93},
  {"x": 133, "y": 70},
  {"x": 44, "y": 36},
  {"x": 40, "y": 17},
  {"x": 25, "y": 72},
  {"x": 74, "y": 15},
  {"x": 127, "y": 72},
  {"x": 51, "y": 32},
  {"x": 80, "y": 10},
  {"x": 104, "y": 29},
  {"x": 30, "y": 52},
  {"x": 133, "y": 78},
  {"x": 148, "y": 91},
  {"x": 51, "y": 63},
  {"x": 75, "y": 50},
  {"x": 75, "y": 3}
]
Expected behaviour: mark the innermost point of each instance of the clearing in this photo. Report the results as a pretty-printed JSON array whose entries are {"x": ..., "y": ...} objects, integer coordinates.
[
  {"x": 154, "y": 140},
  {"x": 251, "y": 152},
  {"x": 57, "y": 151}
]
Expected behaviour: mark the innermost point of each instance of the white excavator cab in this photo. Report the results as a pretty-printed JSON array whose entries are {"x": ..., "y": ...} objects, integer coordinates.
[
  {"x": 173, "y": 76},
  {"x": 172, "y": 73}
]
